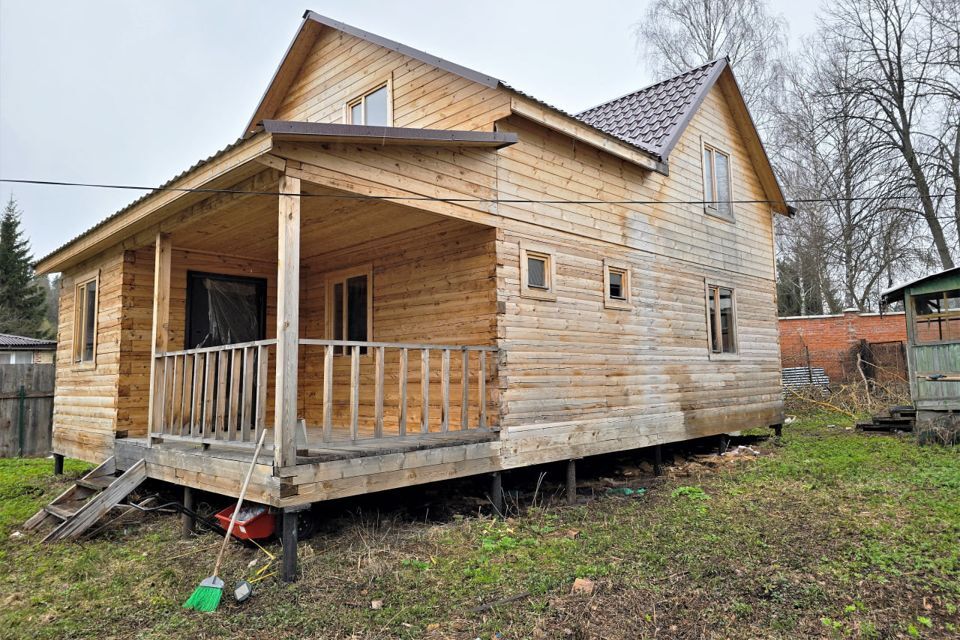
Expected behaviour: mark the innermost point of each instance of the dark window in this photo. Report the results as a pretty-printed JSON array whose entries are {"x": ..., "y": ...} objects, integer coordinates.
[
  {"x": 349, "y": 309},
  {"x": 536, "y": 272},
  {"x": 224, "y": 309},
  {"x": 616, "y": 285},
  {"x": 89, "y": 320}
]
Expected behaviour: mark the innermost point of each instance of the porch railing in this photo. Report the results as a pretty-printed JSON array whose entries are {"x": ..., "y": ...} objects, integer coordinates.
[
  {"x": 383, "y": 389},
  {"x": 213, "y": 393}
]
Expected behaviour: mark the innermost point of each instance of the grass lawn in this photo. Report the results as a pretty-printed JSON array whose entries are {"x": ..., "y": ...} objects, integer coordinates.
[{"x": 831, "y": 533}]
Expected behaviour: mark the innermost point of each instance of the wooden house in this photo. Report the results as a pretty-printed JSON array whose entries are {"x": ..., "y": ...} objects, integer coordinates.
[
  {"x": 932, "y": 312},
  {"x": 409, "y": 271}
]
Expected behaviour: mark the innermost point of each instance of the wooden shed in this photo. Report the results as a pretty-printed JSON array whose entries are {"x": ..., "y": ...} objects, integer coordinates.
[
  {"x": 408, "y": 271},
  {"x": 932, "y": 306}
]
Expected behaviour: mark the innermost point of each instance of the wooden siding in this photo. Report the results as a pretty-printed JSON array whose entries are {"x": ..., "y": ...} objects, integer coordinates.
[
  {"x": 85, "y": 408},
  {"x": 573, "y": 360},
  {"x": 341, "y": 67},
  {"x": 436, "y": 284}
]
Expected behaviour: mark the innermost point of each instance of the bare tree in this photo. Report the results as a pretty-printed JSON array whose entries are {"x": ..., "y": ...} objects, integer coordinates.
[
  {"x": 896, "y": 54},
  {"x": 677, "y": 35}
]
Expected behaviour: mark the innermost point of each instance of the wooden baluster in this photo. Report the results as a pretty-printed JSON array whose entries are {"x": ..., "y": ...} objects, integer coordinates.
[
  {"x": 235, "y": 372},
  {"x": 445, "y": 391},
  {"x": 263, "y": 373},
  {"x": 162, "y": 407},
  {"x": 378, "y": 393},
  {"x": 196, "y": 399},
  {"x": 327, "y": 393},
  {"x": 354, "y": 392},
  {"x": 402, "y": 425},
  {"x": 425, "y": 390},
  {"x": 186, "y": 383},
  {"x": 246, "y": 405},
  {"x": 175, "y": 396},
  {"x": 209, "y": 386},
  {"x": 221, "y": 411},
  {"x": 482, "y": 390},
  {"x": 465, "y": 390}
]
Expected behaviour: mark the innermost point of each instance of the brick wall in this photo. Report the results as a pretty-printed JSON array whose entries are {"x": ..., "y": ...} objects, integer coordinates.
[{"x": 832, "y": 342}]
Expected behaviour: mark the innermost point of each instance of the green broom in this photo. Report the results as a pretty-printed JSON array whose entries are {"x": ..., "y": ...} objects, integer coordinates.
[{"x": 207, "y": 596}]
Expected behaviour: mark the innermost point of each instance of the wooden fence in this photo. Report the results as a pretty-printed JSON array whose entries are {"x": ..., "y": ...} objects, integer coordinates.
[{"x": 26, "y": 409}]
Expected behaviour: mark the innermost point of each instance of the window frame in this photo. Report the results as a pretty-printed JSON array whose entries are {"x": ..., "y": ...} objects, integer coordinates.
[
  {"x": 528, "y": 250},
  {"x": 735, "y": 332},
  {"x": 330, "y": 280},
  {"x": 712, "y": 209},
  {"x": 79, "y": 326},
  {"x": 941, "y": 317},
  {"x": 609, "y": 302},
  {"x": 360, "y": 98}
]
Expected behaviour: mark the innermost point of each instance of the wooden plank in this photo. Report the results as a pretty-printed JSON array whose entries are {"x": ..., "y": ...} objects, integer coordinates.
[
  {"x": 378, "y": 392},
  {"x": 209, "y": 392},
  {"x": 160, "y": 331},
  {"x": 327, "y": 393},
  {"x": 445, "y": 391},
  {"x": 465, "y": 390},
  {"x": 99, "y": 505},
  {"x": 246, "y": 414},
  {"x": 233, "y": 415},
  {"x": 222, "y": 386},
  {"x": 354, "y": 391},
  {"x": 186, "y": 397},
  {"x": 196, "y": 404},
  {"x": 263, "y": 373},
  {"x": 482, "y": 390},
  {"x": 402, "y": 393},
  {"x": 425, "y": 390},
  {"x": 288, "y": 322}
]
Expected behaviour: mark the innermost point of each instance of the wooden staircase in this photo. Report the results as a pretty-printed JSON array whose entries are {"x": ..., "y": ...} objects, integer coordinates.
[
  {"x": 89, "y": 499},
  {"x": 898, "y": 418}
]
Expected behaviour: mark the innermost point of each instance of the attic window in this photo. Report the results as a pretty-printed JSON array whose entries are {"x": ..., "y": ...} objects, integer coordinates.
[
  {"x": 716, "y": 182},
  {"x": 372, "y": 108}
]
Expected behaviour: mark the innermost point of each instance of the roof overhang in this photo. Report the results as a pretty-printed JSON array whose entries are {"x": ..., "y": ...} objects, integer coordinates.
[
  {"x": 243, "y": 159},
  {"x": 926, "y": 283},
  {"x": 290, "y": 131}
]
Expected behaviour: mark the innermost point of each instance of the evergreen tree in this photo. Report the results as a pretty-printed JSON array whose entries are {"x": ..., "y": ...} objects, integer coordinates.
[{"x": 23, "y": 304}]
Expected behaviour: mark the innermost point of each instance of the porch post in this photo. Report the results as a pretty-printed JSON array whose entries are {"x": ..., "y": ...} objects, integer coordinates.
[
  {"x": 161, "y": 327},
  {"x": 288, "y": 323}
]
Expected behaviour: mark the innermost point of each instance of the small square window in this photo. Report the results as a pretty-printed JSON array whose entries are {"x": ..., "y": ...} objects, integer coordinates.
[
  {"x": 537, "y": 272},
  {"x": 372, "y": 108},
  {"x": 616, "y": 284}
]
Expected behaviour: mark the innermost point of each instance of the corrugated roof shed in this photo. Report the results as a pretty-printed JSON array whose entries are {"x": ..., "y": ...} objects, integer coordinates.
[
  {"x": 22, "y": 343},
  {"x": 654, "y": 117}
]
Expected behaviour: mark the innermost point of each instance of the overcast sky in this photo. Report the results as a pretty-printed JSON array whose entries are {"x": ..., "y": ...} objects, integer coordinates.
[{"x": 126, "y": 92}]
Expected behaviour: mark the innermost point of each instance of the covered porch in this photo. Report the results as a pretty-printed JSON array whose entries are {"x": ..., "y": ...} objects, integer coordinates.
[{"x": 346, "y": 327}]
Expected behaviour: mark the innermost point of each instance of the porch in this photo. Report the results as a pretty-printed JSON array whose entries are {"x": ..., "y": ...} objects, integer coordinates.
[{"x": 346, "y": 328}]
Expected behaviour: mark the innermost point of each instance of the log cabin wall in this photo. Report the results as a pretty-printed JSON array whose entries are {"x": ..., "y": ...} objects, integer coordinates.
[
  {"x": 341, "y": 67},
  {"x": 573, "y": 359},
  {"x": 436, "y": 285},
  {"x": 85, "y": 410},
  {"x": 138, "y": 316}
]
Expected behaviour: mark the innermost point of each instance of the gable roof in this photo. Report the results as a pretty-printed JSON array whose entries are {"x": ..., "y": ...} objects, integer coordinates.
[
  {"x": 10, "y": 342},
  {"x": 650, "y": 120},
  {"x": 653, "y": 118}
]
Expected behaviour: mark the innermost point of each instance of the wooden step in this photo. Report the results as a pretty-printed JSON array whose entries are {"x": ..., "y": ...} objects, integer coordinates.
[
  {"x": 98, "y": 505},
  {"x": 97, "y": 484},
  {"x": 59, "y": 512},
  {"x": 72, "y": 496}
]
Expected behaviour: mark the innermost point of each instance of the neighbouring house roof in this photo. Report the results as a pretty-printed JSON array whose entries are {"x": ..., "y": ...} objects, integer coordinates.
[
  {"x": 896, "y": 293},
  {"x": 653, "y": 118},
  {"x": 22, "y": 343}
]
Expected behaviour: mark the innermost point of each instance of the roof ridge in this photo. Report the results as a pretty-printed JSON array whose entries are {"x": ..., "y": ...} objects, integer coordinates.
[{"x": 654, "y": 84}]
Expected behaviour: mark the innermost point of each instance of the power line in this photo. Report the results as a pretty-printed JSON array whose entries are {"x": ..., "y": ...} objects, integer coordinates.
[{"x": 333, "y": 196}]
